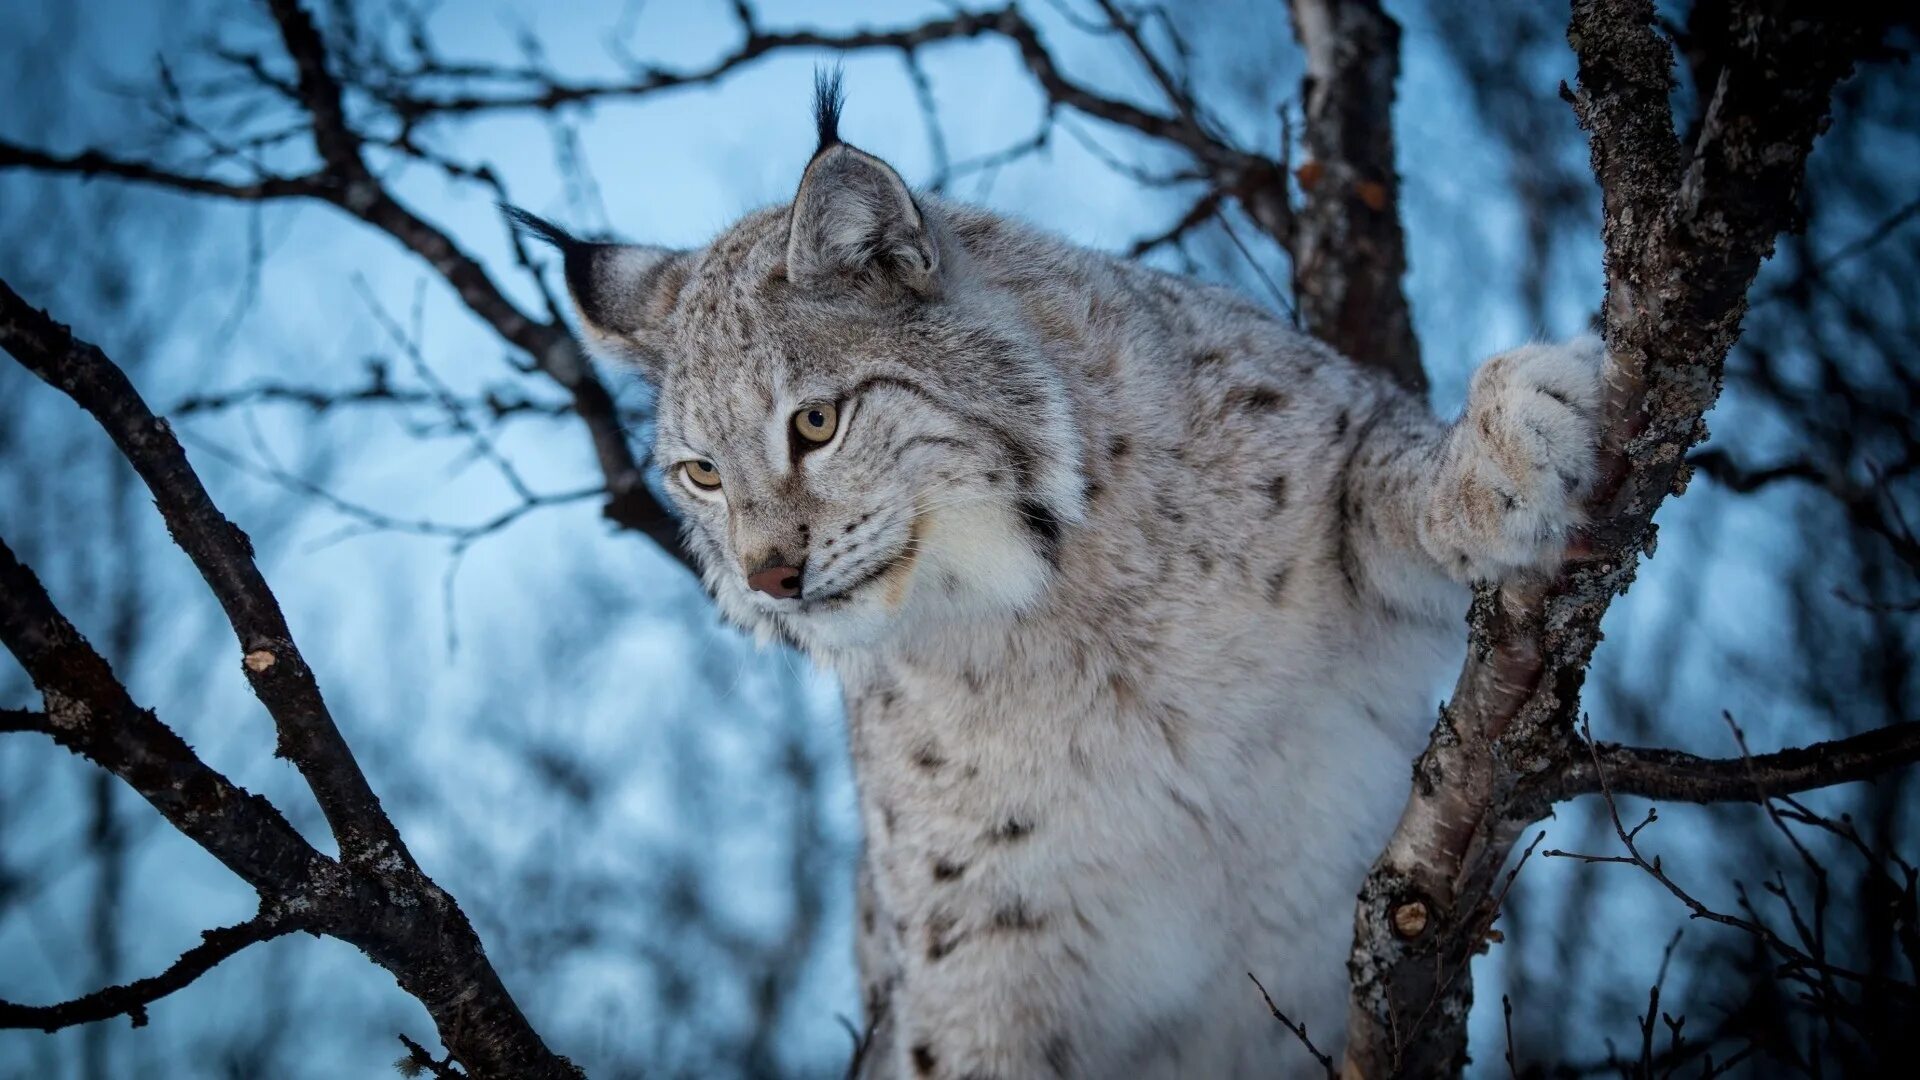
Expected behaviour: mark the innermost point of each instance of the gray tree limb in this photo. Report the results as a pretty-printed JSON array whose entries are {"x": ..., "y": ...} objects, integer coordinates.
[{"x": 1685, "y": 233}]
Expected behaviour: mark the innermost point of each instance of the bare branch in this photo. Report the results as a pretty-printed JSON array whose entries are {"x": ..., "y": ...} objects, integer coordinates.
[
  {"x": 90, "y": 714},
  {"x": 419, "y": 1062},
  {"x": 1796, "y": 962},
  {"x": 375, "y": 898},
  {"x": 18, "y": 720},
  {"x": 346, "y": 181},
  {"x": 1299, "y": 1029},
  {"x": 543, "y": 92},
  {"x": 1674, "y": 776},
  {"x": 495, "y": 405},
  {"x": 92, "y": 163},
  {"x": 1202, "y": 211},
  {"x": 132, "y": 999},
  {"x": 224, "y": 557},
  {"x": 1869, "y": 506},
  {"x": 552, "y": 348}
]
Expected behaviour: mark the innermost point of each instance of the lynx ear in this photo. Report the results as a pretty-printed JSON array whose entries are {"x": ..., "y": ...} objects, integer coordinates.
[
  {"x": 623, "y": 293},
  {"x": 853, "y": 216}
]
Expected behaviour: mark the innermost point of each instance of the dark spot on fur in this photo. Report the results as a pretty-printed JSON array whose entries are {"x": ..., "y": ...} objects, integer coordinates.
[
  {"x": 1202, "y": 559},
  {"x": 923, "y": 1060},
  {"x": 1011, "y": 829},
  {"x": 941, "y": 935},
  {"x": 971, "y": 678},
  {"x": 944, "y": 870},
  {"x": 927, "y": 756},
  {"x": 1344, "y": 506},
  {"x": 1276, "y": 490},
  {"x": 1016, "y": 917},
  {"x": 1093, "y": 491},
  {"x": 1259, "y": 399},
  {"x": 1059, "y": 1054},
  {"x": 1343, "y": 538},
  {"x": 1045, "y": 526},
  {"x": 1277, "y": 584},
  {"x": 1118, "y": 446},
  {"x": 1208, "y": 358},
  {"x": 1340, "y": 425}
]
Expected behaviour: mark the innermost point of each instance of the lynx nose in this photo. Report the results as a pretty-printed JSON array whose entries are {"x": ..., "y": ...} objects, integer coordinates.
[{"x": 779, "y": 582}]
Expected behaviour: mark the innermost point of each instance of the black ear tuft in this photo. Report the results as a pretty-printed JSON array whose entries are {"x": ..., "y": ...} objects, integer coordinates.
[
  {"x": 828, "y": 96},
  {"x": 539, "y": 228}
]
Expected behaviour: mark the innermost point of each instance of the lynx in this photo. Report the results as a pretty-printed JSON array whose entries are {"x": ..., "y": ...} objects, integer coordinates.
[{"x": 1140, "y": 600}]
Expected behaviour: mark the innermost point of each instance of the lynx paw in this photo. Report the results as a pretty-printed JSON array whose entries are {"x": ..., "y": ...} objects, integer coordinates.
[{"x": 1519, "y": 463}]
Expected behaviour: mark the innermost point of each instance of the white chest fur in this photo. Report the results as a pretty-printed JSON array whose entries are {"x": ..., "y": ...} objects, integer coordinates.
[{"x": 1082, "y": 838}]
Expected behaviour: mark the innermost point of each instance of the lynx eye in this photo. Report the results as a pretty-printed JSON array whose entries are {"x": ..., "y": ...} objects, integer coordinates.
[
  {"x": 816, "y": 423},
  {"x": 701, "y": 474}
]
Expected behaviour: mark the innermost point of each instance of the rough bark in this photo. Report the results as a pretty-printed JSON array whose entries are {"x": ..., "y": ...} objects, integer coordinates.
[
  {"x": 1684, "y": 238},
  {"x": 1349, "y": 251}
]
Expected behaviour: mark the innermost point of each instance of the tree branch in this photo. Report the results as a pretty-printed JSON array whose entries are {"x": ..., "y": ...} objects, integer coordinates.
[
  {"x": 496, "y": 405},
  {"x": 375, "y": 897},
  {"x": 222, "y": 553},
  {"x": 346, "y": 181},
  {"x": 132, "y": 999},
  {"x": 1674, "y": 776},
  {"x": 90, "y": 713},
  {"x": 1865, "y": 504},
  {"x": 553, "y": 349},
  {"x": 17, "y": 720},
  {"x": 91, "y": 163},
  {"x": 1349, "y": 251},
  {"x": 1684, "y": 237},
  {"x": 544, "y": 92}
]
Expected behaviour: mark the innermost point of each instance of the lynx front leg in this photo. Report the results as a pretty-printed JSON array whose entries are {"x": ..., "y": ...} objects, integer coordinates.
[{"x": 1516, "y": 467}]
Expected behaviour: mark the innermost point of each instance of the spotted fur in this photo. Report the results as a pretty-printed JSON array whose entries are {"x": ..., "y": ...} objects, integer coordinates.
[{"x": 1139, "y": 599}]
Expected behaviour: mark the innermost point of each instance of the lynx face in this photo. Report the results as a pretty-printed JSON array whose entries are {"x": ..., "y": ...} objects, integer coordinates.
[{"x": 861, "y": 435}]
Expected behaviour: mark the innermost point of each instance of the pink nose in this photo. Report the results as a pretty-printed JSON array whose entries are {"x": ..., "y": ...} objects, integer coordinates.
[{"x": 779, "y": 582}]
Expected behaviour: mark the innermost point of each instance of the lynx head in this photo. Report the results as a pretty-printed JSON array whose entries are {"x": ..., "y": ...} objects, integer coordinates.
[{"x": 861, "y": 432}]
